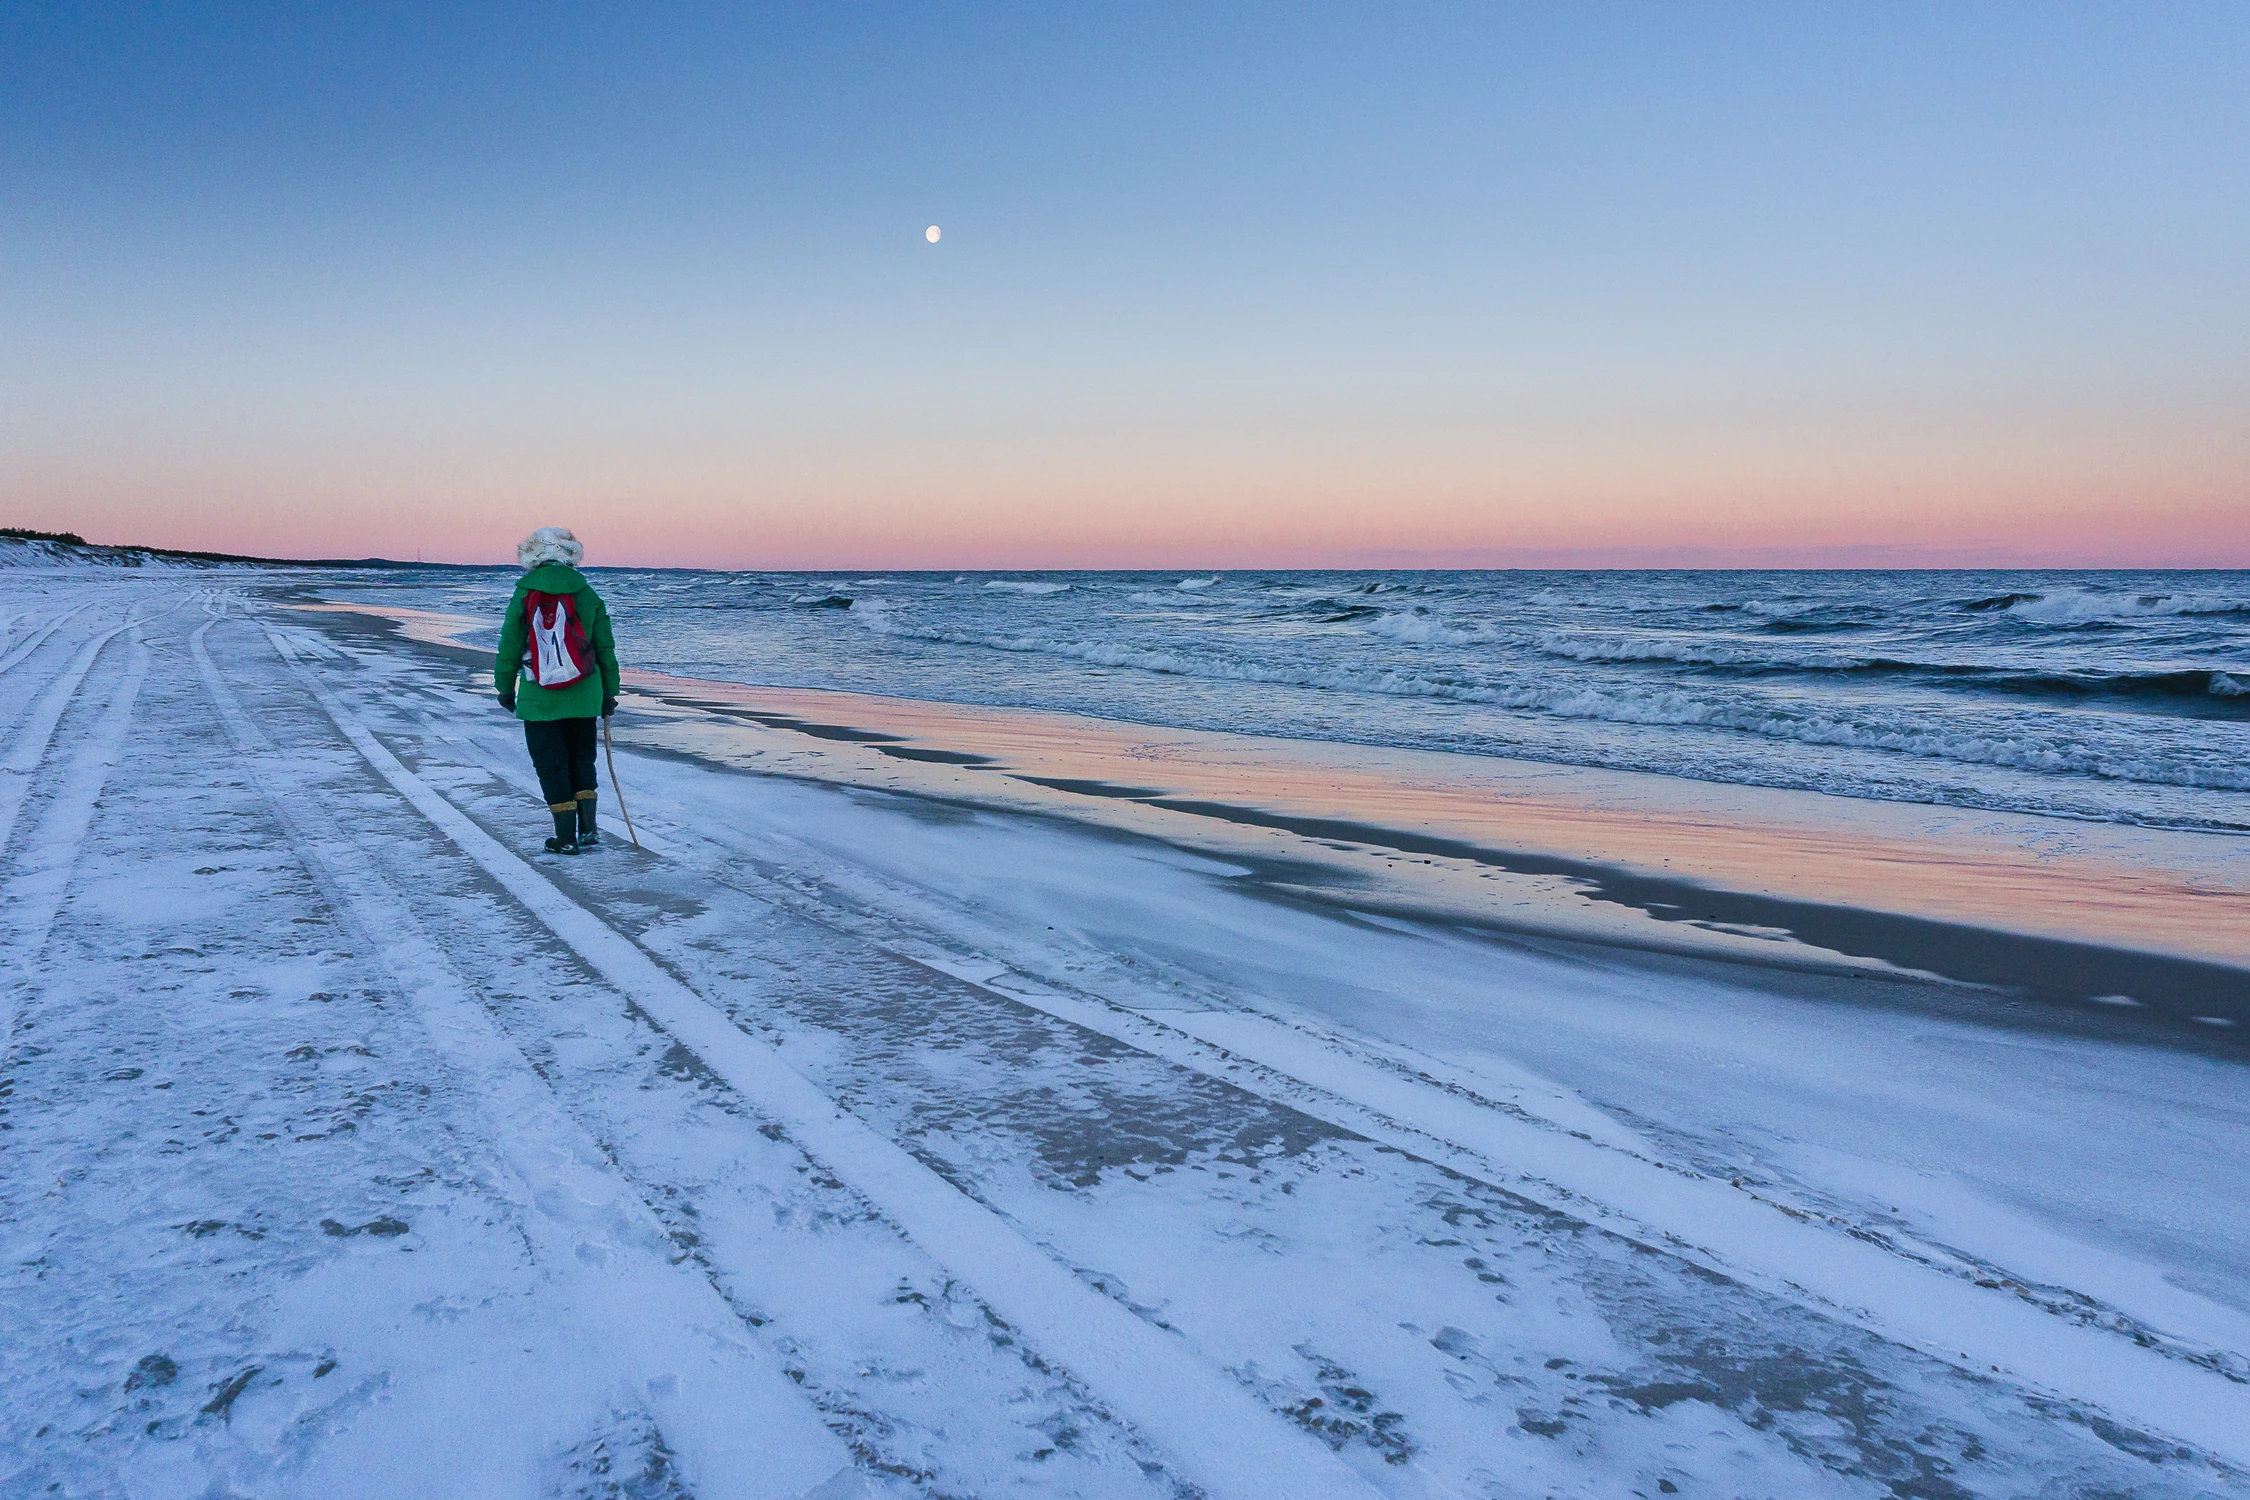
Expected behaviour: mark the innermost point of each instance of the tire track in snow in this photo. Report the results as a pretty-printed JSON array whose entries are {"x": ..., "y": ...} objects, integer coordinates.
[
  {"x": 21, "y": 763},
  {"x": 865, "y": 1409},
  {"x": 1836, "y": 1274},
  {"x": 19, "y": 653},
  {"x": 23, "y": 693},
  {"x": 34, "y": 895},
  {"x": 740, "y": 1430},
  {"x": 2158, "y": 1385},
  {"x": 30, "y": 745},
  {"x": 1218, "y": 1435},
  {"x": 1707, "y": 1221}
]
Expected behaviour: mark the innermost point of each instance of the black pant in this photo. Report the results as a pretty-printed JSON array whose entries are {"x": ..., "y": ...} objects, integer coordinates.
[{"x": 562, "y": 752}]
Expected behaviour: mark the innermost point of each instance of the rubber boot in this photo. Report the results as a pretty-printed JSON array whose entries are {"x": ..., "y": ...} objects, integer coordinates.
[
  {"x": 565, "y": 840},
  {"x": 588, "y": 834}
]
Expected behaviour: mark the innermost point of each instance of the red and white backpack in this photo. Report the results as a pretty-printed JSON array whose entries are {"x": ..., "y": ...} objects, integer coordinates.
[{"x": 555, "y": 650}]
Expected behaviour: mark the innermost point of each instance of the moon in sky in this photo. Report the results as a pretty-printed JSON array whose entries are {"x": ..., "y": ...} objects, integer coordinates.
[{"x": 931, "y": 234}]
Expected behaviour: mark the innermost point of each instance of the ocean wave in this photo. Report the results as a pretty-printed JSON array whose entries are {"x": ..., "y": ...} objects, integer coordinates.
[
  {"x": 2190, "y": 684},
  {"x": 1812, "y": 625},
  {"x": 1331, "y": 592},
  {"x": 1757, "y": 606},
  {"x": 2187, "y": 686},
  {"x": 1793, "y": 616},
  {"x": 1326, "y": 608},
  {"x": 1789, "y": 616},
  {"x": 1192, "y": 584},
  {"x": 2037, "y": 749},
  {"x": 1420, "y": 626},
  {"x": 2081, "y": 606},
  {"x": 1014, "y": 586},
  {"x": 1630, "y": 651}
]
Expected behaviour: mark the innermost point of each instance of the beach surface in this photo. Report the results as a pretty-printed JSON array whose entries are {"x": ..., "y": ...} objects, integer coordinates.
[{"x": 948, "y": 1099}]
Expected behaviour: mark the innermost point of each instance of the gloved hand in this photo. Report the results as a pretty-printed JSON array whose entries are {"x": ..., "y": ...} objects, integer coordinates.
[
  {"x": 508, "y": 702},
  {"x": 609, "y": 706}
]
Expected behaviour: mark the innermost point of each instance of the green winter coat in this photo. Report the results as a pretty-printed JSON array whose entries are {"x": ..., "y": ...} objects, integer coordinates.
[{"x": 583, "y": 698}]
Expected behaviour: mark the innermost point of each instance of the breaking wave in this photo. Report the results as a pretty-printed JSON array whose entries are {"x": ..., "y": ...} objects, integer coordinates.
[
  {"x": 2080, "y": 606},
  {"x": 1419, "y": 625}
]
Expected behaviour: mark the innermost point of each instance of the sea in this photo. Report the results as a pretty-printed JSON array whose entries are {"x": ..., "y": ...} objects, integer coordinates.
[{"x": 2116, "y": 696}]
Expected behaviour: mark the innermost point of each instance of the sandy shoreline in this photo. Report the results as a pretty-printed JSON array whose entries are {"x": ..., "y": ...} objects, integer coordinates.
[
  {"x": 959, "y": 1132},
  {"x": 2125, "y": 931}
]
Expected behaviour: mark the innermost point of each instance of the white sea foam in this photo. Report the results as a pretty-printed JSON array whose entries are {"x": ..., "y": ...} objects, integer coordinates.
[
  {"x": 1192, "y": 584},
  {"x": 1014, "y": 586},
  {"x": 1425, "y": 627},
  {"x": 2079, "y": 606}
]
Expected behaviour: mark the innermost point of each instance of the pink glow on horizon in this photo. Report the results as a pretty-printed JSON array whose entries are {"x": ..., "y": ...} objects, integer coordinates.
[
  {"x": 2168, "y": 491},
  {"x": 1096, "y": 527}
]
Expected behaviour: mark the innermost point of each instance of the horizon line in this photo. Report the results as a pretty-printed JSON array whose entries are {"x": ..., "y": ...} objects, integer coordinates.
[{"x": 1865, "y": 557}]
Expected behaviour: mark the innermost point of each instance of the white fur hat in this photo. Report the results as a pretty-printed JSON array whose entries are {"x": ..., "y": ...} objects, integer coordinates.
[{"x": 549, "y": 544}]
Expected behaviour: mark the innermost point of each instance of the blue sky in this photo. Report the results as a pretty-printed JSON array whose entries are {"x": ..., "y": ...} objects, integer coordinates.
[{"x": 1217, "y": 284}]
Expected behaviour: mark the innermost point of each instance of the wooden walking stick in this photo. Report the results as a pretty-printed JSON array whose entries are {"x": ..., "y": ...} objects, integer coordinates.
[{"x": 610, "y": 750}]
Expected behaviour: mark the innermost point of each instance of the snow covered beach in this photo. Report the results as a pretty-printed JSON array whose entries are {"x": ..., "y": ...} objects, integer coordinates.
[{"x": 874, "y": 1132}]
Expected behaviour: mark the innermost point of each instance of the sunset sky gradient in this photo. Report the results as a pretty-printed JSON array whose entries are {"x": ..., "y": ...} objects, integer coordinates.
[{"x": 1219, "y": 287}]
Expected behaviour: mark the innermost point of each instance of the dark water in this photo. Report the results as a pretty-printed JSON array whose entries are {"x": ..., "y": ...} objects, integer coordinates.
[{"x": 2112, "y": 695}]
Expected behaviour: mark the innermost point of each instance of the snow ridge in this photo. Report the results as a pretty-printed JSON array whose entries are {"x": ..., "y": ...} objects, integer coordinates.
[{"x": 35, "y": 895}]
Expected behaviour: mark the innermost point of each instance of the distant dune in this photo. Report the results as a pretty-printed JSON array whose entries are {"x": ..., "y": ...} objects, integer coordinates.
[{"x": 21, "y": 548}]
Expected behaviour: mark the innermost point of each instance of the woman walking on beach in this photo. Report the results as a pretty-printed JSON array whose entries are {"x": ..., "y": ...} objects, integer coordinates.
[{"x": 557, "y": 668}]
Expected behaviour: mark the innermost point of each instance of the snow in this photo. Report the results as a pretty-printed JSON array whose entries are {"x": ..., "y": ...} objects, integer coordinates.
[
  {"x": 46, "y": 556},
  {"x": 847, "y": 1142}
]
